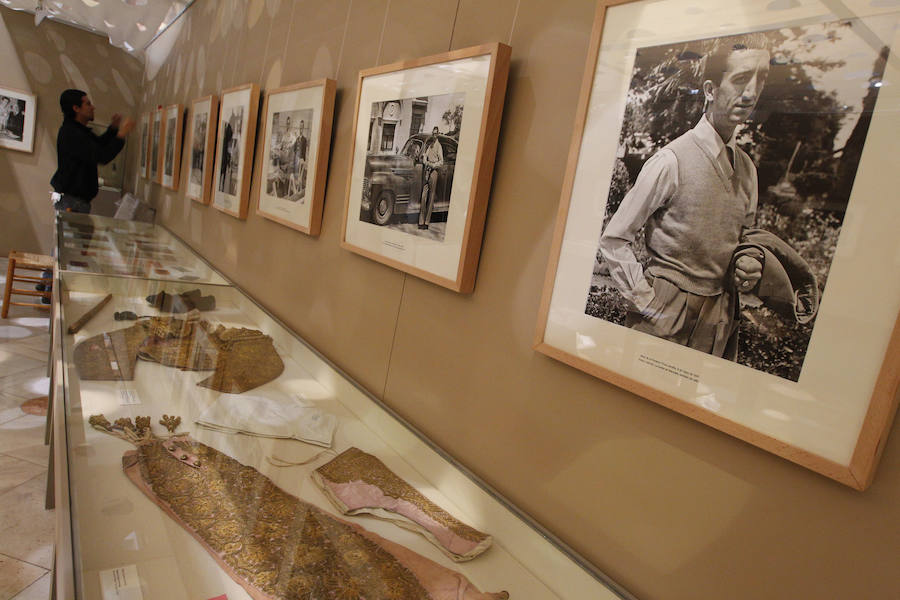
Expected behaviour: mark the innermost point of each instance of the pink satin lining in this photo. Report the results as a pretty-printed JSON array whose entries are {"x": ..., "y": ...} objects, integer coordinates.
[{"x": 358, "y": 495}]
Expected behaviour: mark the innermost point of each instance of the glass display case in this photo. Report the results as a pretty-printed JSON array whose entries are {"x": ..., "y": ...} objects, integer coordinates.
[
  {"x": 103, "y": 245},
  {"x": 283, "y": 479}
]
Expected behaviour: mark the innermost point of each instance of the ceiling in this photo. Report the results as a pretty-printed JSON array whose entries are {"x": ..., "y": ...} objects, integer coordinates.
[{"x": 129, "y": 24}]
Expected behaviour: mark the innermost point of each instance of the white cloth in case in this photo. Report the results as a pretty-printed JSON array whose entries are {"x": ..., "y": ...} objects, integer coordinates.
[{"x": 275, "y": 415}]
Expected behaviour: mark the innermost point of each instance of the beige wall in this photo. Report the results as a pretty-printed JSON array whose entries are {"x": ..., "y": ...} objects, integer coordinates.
[
  {"x": 669, "y": 508},
  {"x": 44, "y": 61}
]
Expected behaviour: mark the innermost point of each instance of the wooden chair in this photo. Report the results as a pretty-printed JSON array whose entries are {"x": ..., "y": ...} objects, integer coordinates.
[{"x": 25, "y": 261}]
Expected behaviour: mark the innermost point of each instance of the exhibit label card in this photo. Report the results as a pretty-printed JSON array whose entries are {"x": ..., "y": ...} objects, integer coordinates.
[{"x": 121, "y": 583}]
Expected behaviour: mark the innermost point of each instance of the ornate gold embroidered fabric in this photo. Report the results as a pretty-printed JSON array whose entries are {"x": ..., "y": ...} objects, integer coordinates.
[
  {"x": 241, "y": 358},
  {"x": 276, "y": 545},
  {"x": 354, "y": 467}
]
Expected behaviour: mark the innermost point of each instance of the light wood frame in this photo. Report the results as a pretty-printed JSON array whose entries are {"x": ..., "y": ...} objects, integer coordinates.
[
  {"x": 144, "y": 165},
  {"x": 479, "y": 192},
  {"x": 28, "y": 126},
  {"x": 157, "y": 130},
  {"x": 209, "y": 154},
  {"x": 176, "y": 144},
  {"x": 243, "y": 192},
  {"x": 883, "y": 401},
  {"x": 323, "y": 147}
]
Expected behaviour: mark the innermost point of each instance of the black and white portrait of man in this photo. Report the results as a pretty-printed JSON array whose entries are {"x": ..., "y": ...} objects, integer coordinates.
[{"x": 735, "y": 163}]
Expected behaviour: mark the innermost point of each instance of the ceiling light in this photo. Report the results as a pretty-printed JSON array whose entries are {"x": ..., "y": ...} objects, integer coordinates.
[
  {"x": 140, "y": 26},
  {"x": 91, "y": 3}
]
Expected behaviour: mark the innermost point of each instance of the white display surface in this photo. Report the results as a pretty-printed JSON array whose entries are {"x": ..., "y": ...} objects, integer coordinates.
[{"x": 117, "y": 525}]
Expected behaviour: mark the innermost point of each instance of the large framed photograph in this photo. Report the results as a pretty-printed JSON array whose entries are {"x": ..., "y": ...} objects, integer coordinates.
[
  {"x": 173, "y": 122},
  {"x": 202, "y": 144},
  {"x": 17, "y": 116},
  {"x": 144, "y": 145},
  {"x": 296, "y": 140},
  {"x": 155, "y": 160},
  {"x": 234, "y": 149},
  {"x": 424, "y": 142},
  {"x": 727, "y": 208}
]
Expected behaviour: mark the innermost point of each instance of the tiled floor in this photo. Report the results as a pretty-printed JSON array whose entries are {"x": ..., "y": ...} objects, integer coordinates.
[{"x": 26, "y": 529}]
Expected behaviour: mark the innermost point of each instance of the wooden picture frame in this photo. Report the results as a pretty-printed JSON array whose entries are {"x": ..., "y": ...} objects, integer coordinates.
[
  {"x": 155, "y": 159},
  {"x": 172, "y": 132},
  {"x": 238, "y": 112},
  {"x": 296, "y": 140},
  {"x": 144, "y": 133},
  {"x": 460, "y": 95},
  {"x": 788, "y": 388},
  {"x": 201, "y": 147},
  {"x": 18, "y": 113}
]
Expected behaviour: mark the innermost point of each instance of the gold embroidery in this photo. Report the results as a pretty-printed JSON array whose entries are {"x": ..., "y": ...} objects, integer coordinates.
[
  {"x": 284, "y": 547},
  {"x": 170, "y": 423},
  {"x": 355, "y": 465}
]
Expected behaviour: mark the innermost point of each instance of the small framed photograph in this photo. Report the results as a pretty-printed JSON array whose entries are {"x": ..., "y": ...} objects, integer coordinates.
[
  {"x": 424, "y": 142},
  {"x": 145, "y": 145},
  {"x": 155, "y": 160},
  {"x": 202, "y": 145},
  {"x": 173, "y": 117},
  {"x": 296, "y": 140},
  {"x": 723, "y": 217},
  {"x": 234, "y": 149},
  {"x": 17, "y": 116}
]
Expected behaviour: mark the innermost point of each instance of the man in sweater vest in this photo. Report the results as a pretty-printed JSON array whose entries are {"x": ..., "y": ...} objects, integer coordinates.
[{"x": 694, "y": 199}]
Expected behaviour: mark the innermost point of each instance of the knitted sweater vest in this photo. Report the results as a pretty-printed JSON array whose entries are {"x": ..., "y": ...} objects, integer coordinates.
[{"x": 692, "y": 238}]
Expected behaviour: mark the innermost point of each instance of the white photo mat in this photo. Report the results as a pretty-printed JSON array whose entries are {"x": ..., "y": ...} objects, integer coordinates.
[
  {"x": 200, "y": 109},
  {"x": 304, "y": 99},
  {"x": 822, "y": 414},
  {"x": 144, "y": 143},
  {"x": 155, "y": 149},
  {"x": 11, "y": 137},
  {"x": 467, "y": 75},
  {"x": 234, "y": 102},
  {"x": 171, "y": 140}
]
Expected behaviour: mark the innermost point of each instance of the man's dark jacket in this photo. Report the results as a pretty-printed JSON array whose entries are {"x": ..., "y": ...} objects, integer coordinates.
[{"x": 78, "y": 151}]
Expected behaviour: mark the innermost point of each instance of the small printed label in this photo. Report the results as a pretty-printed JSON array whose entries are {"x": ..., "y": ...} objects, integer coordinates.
[
  {"x": 395, "y": 245},
  {"x": 128, "y": 397},
  {"x": 121, "y": 583}
]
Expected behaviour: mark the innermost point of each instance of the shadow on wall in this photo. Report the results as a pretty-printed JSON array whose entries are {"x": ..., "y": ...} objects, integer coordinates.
[{"x": 14, "y": 210}]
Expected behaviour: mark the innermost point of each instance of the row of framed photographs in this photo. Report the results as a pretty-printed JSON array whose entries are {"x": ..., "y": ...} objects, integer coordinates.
[
  {"x": 220, "y": 141},
  {"x": 804, "y": 129},
  {"x": 424, "y": 143}
]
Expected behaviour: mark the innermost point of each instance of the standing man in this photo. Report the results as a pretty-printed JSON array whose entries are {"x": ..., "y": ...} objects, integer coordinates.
[
  {"x": 298, "y": 175},
  {"x": 694, "y": 199},
  {"x": 79, "y": 150},
  {"x": 227, "y": 135},
  {"x": 433, "y": 158}
]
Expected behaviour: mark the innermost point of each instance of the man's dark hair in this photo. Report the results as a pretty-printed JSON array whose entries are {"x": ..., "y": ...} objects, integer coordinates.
[
  {"x": 717, "y": 58},
  {"x": 68, "y": 99}
]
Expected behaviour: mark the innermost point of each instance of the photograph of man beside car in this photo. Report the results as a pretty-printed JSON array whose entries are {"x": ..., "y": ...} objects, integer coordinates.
[{"x": 410, "y": 162}]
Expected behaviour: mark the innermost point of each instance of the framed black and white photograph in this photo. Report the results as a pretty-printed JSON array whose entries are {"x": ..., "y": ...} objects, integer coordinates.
[
  {"x": 17, "y": 117},
  {"x": 201, "y": 145},
  {"x": 234, "y": 149},
  {"x": 296, "y": 141},
  {"x": 173, "y": 121},
  {"x": 707, "y": 256},
  {"x": 155, "y": 137},
  {"x": 425, "y": 139},
  {"x": 144, "y": 142}
]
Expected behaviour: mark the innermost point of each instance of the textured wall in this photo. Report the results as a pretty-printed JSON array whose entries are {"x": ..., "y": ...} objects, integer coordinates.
[
  {"x": 668, "y": 507},
  {"x": 46, "y": 60}
]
